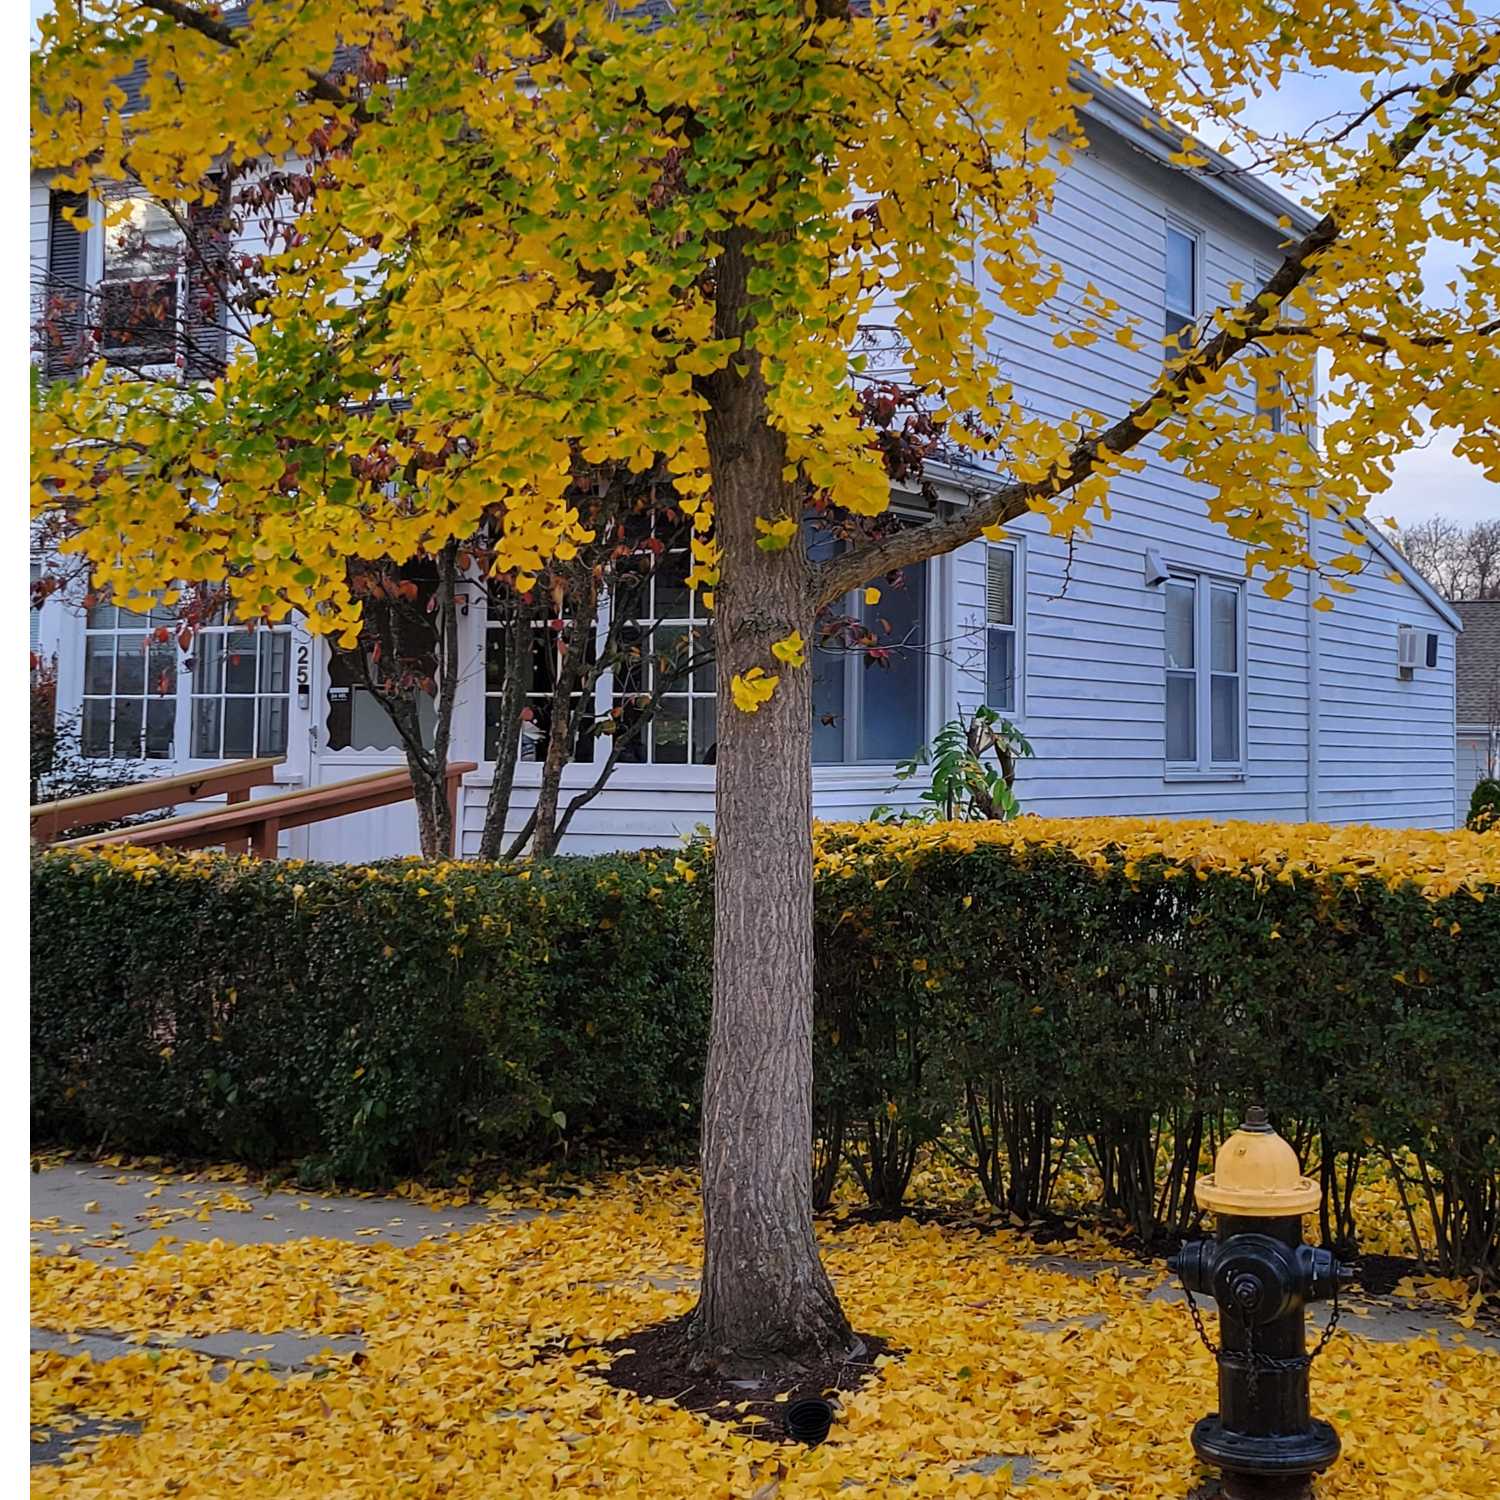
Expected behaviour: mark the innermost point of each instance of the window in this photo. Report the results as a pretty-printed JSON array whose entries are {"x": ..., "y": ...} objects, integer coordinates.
[
  {"x": 240, "y": 686},
  {"x": 670, "y": 629},
  {"x": 547, "y": 643},
  {"x": 1205, "y": 658},
  {"x": 1181, "y": 302},
  {"x": 874, "y": 707},
  {"x": 138, "y": 293},
  {"x": 129, "y": 684},
  {"x": 1000, "y": 635}
]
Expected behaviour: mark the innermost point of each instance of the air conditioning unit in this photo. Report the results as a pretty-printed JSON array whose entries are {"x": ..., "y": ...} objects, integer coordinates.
[
  {"x": 1415, "y": 648},
  {"x": 1408, "y": 647}
]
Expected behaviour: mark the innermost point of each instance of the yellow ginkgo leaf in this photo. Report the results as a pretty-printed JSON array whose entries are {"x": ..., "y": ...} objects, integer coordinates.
[
  {"x": 751, "y": 689},
  {"x": 872, "y": 596},
  {"x": 792, "y": 649}
]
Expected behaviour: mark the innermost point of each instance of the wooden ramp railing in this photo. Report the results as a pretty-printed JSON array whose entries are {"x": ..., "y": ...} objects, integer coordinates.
[
  {"x": 232, "y": 782},
  {"x": 258, "y": 823}
]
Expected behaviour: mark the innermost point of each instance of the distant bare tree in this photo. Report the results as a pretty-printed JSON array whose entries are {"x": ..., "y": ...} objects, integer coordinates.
[
  {"x": 1482, "y": 554},
  {"x": 1462, "y": 562}
]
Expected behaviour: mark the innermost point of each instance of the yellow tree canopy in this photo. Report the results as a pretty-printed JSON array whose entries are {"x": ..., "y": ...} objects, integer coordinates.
[{"x": 501, "y": 224}]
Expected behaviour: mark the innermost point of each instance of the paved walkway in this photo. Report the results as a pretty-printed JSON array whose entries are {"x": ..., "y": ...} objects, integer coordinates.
[{"x": 109, "y": 1215}]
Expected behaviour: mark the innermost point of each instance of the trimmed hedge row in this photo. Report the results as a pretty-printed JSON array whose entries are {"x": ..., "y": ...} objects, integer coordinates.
[
  {"x": 1116, "y": 987},
  {"x": 370, "y": 1021},
  {"x": 1129, "y": 986}
]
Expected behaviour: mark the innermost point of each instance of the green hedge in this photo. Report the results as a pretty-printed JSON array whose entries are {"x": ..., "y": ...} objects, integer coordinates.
[
  {"x": 368, "y": 1021},
  {"x": 1117, "y": 991}
]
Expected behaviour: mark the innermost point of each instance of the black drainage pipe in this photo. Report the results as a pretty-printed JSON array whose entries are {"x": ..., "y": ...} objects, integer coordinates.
[{"x": 808, "y": 1421}]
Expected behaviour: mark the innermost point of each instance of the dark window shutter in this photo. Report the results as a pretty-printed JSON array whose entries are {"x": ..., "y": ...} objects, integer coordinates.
[
  {"x": 203, "y": 322},
  {"x": 62, "y": 311}
]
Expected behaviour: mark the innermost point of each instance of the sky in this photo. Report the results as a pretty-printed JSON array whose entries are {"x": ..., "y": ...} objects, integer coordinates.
[{"x": 1428, "y": 481}]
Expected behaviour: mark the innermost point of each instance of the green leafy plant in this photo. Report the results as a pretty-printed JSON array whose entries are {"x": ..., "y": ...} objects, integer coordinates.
[
  {"x": 1484, "y": 806},
  {"x": 962, "y": 786}
]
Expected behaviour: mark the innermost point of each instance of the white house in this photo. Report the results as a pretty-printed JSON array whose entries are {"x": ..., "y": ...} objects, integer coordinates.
[{"x": 1148, "y": 674}]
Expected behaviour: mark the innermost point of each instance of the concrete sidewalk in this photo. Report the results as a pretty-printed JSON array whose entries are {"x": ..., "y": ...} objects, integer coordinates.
[{"x": 109, "y": 1215}]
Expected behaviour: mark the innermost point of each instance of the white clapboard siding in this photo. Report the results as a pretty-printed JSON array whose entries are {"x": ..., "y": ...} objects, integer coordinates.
[{"x": 1091, "y": 648}]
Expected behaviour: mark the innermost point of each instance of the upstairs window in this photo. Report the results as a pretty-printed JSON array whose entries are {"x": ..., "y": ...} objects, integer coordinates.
[
  {"x": 138, "y": 291},
  {"x": 1184, "y": 253},
  {"x": 1002, "y": 646},
  {"x": 1205, "y": 674}
]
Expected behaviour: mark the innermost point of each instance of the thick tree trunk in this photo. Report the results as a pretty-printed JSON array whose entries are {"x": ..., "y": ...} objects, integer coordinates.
[{"x": 765, "y": 1299}]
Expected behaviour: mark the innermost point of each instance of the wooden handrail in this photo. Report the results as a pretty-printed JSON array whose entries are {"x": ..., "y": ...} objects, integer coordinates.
[
  {"x": 259, "y": 822},
  {"x": 232, "y": 781}
]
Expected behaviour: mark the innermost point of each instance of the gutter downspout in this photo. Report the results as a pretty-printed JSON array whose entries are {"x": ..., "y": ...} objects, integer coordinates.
[{"x": 1314, "y": 663}]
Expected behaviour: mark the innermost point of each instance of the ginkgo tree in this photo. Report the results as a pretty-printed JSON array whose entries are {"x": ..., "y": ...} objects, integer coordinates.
[{"x": 654, "y": 237}]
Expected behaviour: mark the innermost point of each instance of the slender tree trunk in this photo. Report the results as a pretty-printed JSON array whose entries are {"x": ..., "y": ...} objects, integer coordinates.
[
  {"x": 765, "y": 1299},
  {"x": 515, "y": 685}
]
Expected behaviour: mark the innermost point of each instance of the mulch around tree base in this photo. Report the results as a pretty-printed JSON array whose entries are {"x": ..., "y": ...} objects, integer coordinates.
[{"x": 652, "y": 1363}]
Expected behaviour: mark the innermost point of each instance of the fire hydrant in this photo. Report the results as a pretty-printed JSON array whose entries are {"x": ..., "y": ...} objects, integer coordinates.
[{"x": 1263, "y": 1437}]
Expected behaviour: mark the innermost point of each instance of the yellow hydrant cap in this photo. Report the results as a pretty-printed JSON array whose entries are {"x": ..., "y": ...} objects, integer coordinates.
[{"x": 1256, "y": 1175}]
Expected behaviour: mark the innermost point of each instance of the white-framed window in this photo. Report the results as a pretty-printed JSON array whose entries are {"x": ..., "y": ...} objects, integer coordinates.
[
  {"x": 666, "y": 643},
  {"x": 870, "y": 704},
  {"x": 129, "y": 706},
  {"x": 1002, "y": 627},
  {"x": 240, "y": 691},
  {"x": 547, "y": 644},
  {"x": 138, "y": 288},
  {"x": 1182, "y": 302},
  {"x": 1205, "y": 673}
]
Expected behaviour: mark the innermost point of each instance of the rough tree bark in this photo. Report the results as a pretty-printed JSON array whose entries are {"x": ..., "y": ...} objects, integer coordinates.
[{"x": 765, "y": 1298}]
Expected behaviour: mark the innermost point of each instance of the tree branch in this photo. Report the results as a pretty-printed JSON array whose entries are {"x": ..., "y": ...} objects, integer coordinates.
[
  {"x": 1178, "y": 390},
  {"x": 216, "y": 29}
]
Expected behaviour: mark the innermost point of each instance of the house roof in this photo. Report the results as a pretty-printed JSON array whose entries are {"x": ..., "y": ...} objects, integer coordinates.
[
  {"x": 1140, "y": 126},
  {"x": 1478, "y": 660}
]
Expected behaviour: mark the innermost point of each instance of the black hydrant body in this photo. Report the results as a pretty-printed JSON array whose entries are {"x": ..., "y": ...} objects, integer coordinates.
[{"x": 1263, "y": 1436}]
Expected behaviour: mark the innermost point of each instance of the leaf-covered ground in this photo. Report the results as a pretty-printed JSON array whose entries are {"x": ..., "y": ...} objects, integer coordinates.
[{"x": 473, "y": 1378}]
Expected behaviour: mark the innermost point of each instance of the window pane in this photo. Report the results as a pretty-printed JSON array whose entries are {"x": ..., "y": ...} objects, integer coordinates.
[
  {"x": 208, "y": 664},
  {"x": 99, "y": 664},
  {"x": 828, "y": 706},
  {"x": 1224, "y": 654},
  {"x": 1000, "y": 593},
  {"x": 129, "y": 726},
  {"x": 130, "y": 666},
  {"x": 270, "y": 734},
  {"x": 275, "y": 653},
  {"x": 239, "y": 662},
  {"x": 239, "y": 728},
  {"x": 893, "y": 717},
  {"x": 1182, "y": 717},
  {"x": 161, "y": 673},
  {"x": 1224, "y": 708},
  {"x": 161, "y": 721},
  {"x": 669, "y": 731},
  {"x": 670, "y": 655},
  {"x": 1181, "y": 598},
  {"x": 1000, "y": 676},
  {"x": 101, "y": 617},
  {"x": 672, "y": 569},
  {"x": 95, "y": 731},
  {"x": 1182, "y": 290},
  {"x": 634, "y": 740},
  {"x": 207, "y": 722},
  {"x": 705, "y": 731}
]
